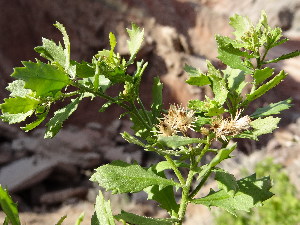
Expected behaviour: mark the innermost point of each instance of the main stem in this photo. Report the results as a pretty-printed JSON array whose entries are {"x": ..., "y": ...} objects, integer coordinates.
[{"x": 185, "y": 197}]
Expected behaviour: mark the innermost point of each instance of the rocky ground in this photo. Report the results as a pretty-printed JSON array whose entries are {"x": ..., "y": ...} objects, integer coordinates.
[{"x": 49, "y": 178}]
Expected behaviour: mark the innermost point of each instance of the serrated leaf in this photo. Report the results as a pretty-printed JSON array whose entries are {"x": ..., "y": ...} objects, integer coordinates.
[
  {"x": 67, "y": 45},
  {"x": 103, "y": 213},
  {"x": 136, "y": 36},
  {"x": 164, "y": 196},
  {"x": 83, "y": 69},
  {"x": 176, "y": 141},
  {"x": 143, "y": 220},
  {"x": 129, "y": 138},
  {"x": 262, "y": 74},
  {"x": 34, "y": 124},
  {"x": 230, "y": 55},
  {"x": 17, "y": 89},
  {"x": 261, "y": 126},
  {"x": 240, "y": 24},
  {"x": 283, "y": 57},
  {"x": 61, "y": 220},
  {"x": 54, "y": 53},
  {"x": 41, "y": 78},
  {"x": 272, "y": 109},
  {"x": 121, "y": 177},
  {"x": 18, "y": 105},
  {"x": 226, "y": 181},
  {"x": 9, "y": 207},
  {"x": 156, "y": 106},
  {"x": 235, "y": 79},
  {"x": 252, "y": 192},
  {"x": 15, "y": 118},
  {"x": 56, "y": 122},
  {"x": 196, "y": 77},
  {"x": 264, "y": 88},
  {"x": 219, "y": 89}
]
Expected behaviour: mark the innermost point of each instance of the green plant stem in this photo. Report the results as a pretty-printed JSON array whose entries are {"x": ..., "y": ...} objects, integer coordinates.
[
  {"x": 185, "y": 197},
  {"x": 175, "y": 169},
  {"x": 144, "y": 111}
]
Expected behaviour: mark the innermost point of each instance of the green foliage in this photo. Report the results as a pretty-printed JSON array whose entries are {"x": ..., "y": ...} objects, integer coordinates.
[
  {"x": 283, "y": 208},
  {"x": 121, "y": 177},
  {"x": 9, "y": 208},
  {"x": 251, "y": 192},
  {"x": 183, "y": 136}
]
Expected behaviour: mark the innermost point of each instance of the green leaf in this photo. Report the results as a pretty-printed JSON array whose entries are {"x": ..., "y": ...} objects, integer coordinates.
[
  {"x": 56, "y": 122},
  {"x": 264, "y": 88},
  {"x": 15, "y": 118},
  {"x": 54, "y": 53},
  {"x": 209, "y": 107},
  {"x": 41, "y": 78},
  {"x": 130, "y": 139},
  {"x": 156, "y": 106},
  {"x": 112, "y": 41},
  {"x": 241, "y": 25},
  {"x": 80, "y": 219},
  {"x": 34, "y": 124},
  {"x": 252, "y": 192},
  {"x": 103, "y": 213},
  {"x": 176, "y": 141},
  {"x": 196, "y": 77},
  {"x": 18, "y": 105},
  {"x": 262, "y": 74},
  {"x": 9, "y": 207},
  {"x": 83, "y": 69},
  {"x": 283, "y": 57},
  {"x": 121, "y": 177},
  {"x": 164, "y": 196},
  {"x": 67, "y": 45},
  {"x": 230, "y": 55},
  {"x": 17, "y": 89},
  {"x": 235, "y": 79},
  {"x": 261, "y": 126},
  {"x": 136, "y": 39},
  {"x": 219, "y": 89},
  {"x": 226, "y": 181},
  {"x": 143, "y": 220},
  {"x": 61, "y": 220},
  {"x": 272, "y": 109}
]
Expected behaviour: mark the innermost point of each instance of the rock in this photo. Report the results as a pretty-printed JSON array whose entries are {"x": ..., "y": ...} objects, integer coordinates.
[
  {"x": 26, "y": 172},
  {"x": 60, "y": 196}
]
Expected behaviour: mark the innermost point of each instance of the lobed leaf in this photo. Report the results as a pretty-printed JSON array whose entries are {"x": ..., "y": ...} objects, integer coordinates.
[
  {"x": 283, "y": 57},
  {"x": 230, "y": 55},
  {"x": 136, "y": 39},
  {"x": 260, "y": 75},
  {"x": 264, "y": 88},
  {"x": 18, "y": 105},
  {"x": 67, "y": 50},
  {"x": 9, "y": 207},
  {"x": 103, "y": 213},
  {"x": 240, "y": 24},
  {"x": 261, "y": 126},
  {"x": 252, "y": 192},
  {"x": 17, "y": 89},
  {"x": 143, "y": 220},
  {"x": 56, "y": 122},
  {"x": 121, "y": 177},
  {"x": 272, "y": 109},
  {"x": 235, "y": 79},
  {"x": 54, "y": 53},
  {"x": 226, "y": 181},
  {"x": 41, "y": 78}
]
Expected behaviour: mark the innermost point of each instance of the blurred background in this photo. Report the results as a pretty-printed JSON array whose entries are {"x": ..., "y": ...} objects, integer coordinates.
[{"x": 49, "y": 178}]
